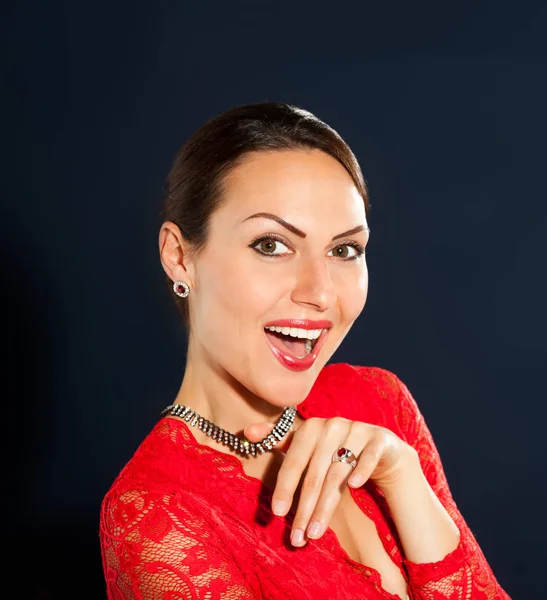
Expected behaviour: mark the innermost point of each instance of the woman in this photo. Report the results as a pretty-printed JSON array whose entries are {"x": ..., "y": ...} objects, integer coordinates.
[{"x": 272, "y": 475}]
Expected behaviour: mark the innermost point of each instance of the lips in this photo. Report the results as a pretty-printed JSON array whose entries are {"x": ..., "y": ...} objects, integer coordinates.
[
  {"x": 301, "y": 323},
  {"x": 289, "y": 353}
]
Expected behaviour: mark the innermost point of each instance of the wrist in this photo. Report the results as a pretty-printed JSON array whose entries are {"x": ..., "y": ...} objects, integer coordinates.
[
  {"x": 427, "y": 531},
  {"x": 407, "y": 474}
]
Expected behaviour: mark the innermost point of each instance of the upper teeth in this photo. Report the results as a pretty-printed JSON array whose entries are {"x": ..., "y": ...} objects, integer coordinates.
[{"x": 310, "y": 334}]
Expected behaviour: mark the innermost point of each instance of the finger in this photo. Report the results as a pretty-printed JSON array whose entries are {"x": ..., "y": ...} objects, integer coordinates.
[
  {"x": 315, "y": 481},
  {"x": 257, "y": 432},
  {"x": 336, "y": 478},
  {"x": 367, "y": 462},
  {"x": 333, "y": 489},
  {"x": 296, "y": 461}
]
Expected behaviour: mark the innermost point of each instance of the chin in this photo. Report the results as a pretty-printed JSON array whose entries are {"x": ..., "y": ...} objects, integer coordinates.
[{"x": 286, "y": 389}]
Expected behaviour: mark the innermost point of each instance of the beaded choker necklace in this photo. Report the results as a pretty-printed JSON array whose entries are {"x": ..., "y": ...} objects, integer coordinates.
[{"x": 243, "y": 446}]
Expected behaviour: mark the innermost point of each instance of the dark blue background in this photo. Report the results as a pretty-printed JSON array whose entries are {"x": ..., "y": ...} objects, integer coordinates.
[{"x": 444, "y": 107}]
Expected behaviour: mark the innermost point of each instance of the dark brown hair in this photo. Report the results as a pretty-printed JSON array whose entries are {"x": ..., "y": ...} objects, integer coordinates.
[{"x": 194, "y": 183}]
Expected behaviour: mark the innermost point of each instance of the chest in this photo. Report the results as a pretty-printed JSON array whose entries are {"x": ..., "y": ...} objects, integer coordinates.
[
  {"x": 358, "y": 536},
  {"x": 355, "y": 530}
]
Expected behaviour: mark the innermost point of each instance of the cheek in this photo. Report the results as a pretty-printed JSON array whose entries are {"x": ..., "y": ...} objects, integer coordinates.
[
  {"x": 234, "y": 300},
  {"x": 353, "y": 294},
  {"x": 252, "y": 290}
]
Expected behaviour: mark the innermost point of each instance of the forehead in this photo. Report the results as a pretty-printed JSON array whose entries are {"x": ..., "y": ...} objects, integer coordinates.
[{"x": 293, "y": 183}]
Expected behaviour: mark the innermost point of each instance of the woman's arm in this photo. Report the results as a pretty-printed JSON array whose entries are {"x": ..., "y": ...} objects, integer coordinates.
[
  {"x": 440, "y": 563},
  {"x": 426, "y": 530}
]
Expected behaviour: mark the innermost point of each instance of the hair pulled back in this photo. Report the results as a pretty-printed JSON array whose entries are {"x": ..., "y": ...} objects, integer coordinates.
[{"x": 194, "y": 183}]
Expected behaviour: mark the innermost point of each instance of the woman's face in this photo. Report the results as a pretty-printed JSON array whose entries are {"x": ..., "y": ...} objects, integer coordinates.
[{"x": 254, "y": 271}]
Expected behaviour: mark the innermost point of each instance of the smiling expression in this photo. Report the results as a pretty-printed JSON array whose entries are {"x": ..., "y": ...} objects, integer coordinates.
[{"x": 287, "y": 242}]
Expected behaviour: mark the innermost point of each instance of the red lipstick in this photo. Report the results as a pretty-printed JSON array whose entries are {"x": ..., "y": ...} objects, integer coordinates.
[
  {"x": 287, "y": 359},
  {"x": 300, "y": 323}
]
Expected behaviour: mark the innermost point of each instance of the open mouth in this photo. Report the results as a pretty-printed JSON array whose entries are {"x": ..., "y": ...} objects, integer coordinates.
[{"x": 297, "y": 342}]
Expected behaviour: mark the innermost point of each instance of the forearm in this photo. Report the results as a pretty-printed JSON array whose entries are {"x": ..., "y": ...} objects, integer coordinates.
[{"x": 426, "y": 530}]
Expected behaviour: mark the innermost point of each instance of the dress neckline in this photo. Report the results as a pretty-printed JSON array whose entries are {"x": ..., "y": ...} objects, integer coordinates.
[
  {"x": 254, "y": 484},
  {"x": 257, "y": 487}
]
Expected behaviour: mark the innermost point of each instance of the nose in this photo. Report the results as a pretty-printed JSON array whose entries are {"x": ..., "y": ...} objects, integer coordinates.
[{"x": 314, "y": 285}]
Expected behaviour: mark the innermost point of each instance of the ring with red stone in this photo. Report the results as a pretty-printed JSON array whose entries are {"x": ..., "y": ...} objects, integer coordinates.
[{"x": 345, "y": 455}]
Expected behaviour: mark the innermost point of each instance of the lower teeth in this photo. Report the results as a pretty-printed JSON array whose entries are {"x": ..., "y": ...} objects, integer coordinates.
[{"x": 308, "y": 346}]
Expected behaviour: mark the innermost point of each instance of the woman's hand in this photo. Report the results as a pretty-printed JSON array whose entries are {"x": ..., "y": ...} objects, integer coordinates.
[{"x": 381, "y": 456}]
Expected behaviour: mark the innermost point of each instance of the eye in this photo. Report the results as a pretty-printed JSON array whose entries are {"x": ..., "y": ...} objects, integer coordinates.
[
  {"x": 353, "y": 251},
  {"x": 266, "y": 245}
]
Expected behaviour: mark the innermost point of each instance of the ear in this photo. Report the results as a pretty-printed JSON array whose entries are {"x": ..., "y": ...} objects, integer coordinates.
[{"x": 174, "y": 253}]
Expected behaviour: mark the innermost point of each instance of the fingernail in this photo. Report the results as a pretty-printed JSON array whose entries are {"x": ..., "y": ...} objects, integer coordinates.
[
  {"x": 280, "y": 507},
  {"x": 356, "y": 480},
  {"x": 315, "y": 529},
  {"x": 297, "y": 537}
]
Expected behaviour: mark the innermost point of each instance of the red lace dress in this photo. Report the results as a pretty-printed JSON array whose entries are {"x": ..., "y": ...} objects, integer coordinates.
[{"x": 183, "y": 520}]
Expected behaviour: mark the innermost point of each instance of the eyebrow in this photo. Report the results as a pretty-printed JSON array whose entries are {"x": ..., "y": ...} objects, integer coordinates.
[{"x": 297, "y": 231}]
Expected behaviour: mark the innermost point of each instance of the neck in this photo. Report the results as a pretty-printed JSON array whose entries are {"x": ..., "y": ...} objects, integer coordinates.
[{"x": 218, "y": 397}]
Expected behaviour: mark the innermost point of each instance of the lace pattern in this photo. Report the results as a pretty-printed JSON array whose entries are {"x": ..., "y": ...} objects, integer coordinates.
[{"x": 184, "y": 521}]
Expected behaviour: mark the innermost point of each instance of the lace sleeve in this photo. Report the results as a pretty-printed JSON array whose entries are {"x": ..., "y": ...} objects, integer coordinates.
[
  {"x": 464, "y": 573},
  {"x": 155, "y": 549}
]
